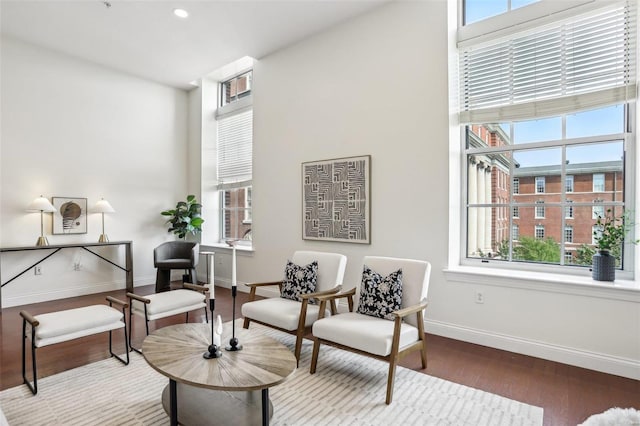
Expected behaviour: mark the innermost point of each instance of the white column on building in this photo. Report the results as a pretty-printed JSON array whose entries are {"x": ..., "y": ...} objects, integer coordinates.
[
  {"x": 481, "y": 210},
  {"x": 489, "y": 217},
  {"x": 472, "y": 219}
]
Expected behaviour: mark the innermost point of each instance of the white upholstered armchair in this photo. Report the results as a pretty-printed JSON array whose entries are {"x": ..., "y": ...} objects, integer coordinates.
[
  {"x": 362, "y": 332},
  {"x": 296, "y": 315}
]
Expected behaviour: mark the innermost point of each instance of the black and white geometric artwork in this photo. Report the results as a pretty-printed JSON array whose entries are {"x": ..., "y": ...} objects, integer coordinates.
[{"x": 336, "y": 200}]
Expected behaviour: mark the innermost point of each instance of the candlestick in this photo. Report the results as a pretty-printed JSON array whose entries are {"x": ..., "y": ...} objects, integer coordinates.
[
  {"x": 213, "y": 351},
  {"x": 233, "y": 342},
  {"x": 218, "y": 332}
]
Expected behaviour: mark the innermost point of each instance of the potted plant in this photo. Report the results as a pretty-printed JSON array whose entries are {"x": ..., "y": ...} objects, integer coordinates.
[
  {"x": 185, "y": 218},
  {"x": 609, "y": 235}
]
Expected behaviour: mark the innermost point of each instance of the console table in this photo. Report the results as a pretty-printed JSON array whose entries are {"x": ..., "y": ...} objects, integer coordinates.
[{"x": 54, "y": 248}]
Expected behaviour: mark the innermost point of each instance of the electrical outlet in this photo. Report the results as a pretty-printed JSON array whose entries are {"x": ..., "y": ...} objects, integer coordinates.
[
  {"x": 37, "y": 270},
  {"x": 479, "y": 297}
]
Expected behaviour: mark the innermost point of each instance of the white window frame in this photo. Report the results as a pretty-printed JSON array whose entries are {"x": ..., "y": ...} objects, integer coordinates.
[
  {"x": 568, "y": 230},
  {"x": 539, "y": 210},
  {"x": 568, "y": 210},
  {"x": 568, "y": 184},
  {"x": 538, "y": 232},
  {"x": 540, "y": 183},
  {"x": 516, "y": 186},
  {"x": 478, "y": 35},
  {"x": 600, "y": 185},
  {"x": 238, "y": 107},
  {"x": 515, "y": 232}
]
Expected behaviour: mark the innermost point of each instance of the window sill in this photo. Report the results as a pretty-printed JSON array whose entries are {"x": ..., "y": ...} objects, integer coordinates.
[
  {"x": 554, "y": 283},
  {"x": 218, "y": 246}
]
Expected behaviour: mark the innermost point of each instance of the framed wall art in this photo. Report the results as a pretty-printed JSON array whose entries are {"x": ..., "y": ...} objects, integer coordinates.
[
  {"x": 336, "y": 200},
  {"x": 71, "y": 215}
]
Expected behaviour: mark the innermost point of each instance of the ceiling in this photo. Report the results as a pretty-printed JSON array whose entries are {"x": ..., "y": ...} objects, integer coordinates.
[{"x": 144, "y": 38}]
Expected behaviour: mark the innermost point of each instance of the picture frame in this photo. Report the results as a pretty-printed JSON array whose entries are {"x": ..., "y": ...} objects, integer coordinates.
[
  {"x": 70, "y": 216},
  {"x": 336, "y": 200}
]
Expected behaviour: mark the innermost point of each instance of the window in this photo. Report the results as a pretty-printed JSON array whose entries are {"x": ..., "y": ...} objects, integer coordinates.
[
  {"x": 247, "y": 204},
  {"x": 234, "y": 158},
  {"x": 596, "y": 232},
  {"x": 598, "y": 182},
  {"x": 236, "y": 88},
  {"x": 477, "y": 10},
  {"x": 568, "y": 210},
  {"x": 515, "y": 232},
  {"x": 568, "y": 183},
  {"x": 568, "y": 234},
  {"x": 552, "y": 122},
  {"x": 568, "y": 258},
  {"x": 597, "y": 210}
]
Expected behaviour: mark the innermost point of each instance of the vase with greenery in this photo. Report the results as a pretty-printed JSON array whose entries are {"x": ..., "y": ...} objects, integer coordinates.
[
  {"x": 609, "y": 234},
  {"x": 185, "y": 218}
]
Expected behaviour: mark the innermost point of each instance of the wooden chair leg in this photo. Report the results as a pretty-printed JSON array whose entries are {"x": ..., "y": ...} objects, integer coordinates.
[
  {"x": 423, "y": 354},
  {"x": 299, "y": 335},
  {"x": 246, "y": 322},
  {"x": 314, "y": 355},
  {"x": 390, "y": 381}
]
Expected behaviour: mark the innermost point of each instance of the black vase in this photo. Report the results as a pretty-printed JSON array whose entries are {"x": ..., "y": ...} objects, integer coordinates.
[{"x": 604, "y": 266}]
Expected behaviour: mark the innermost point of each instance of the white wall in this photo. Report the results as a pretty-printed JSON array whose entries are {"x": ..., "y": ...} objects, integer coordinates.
[
  {"x": 72, "y": 128},
  {"x": 377, "y": 85}
]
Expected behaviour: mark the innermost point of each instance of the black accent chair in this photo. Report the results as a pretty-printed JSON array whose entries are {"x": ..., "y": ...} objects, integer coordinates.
[{"x": 175, "y": 255}]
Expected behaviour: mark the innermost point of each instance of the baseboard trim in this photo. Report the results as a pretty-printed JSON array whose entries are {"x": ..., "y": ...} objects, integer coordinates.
[{"x": 591, "y": 360}]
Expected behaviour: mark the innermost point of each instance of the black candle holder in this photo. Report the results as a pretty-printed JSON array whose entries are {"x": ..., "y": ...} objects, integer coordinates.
[
  {"x": 213, "y": 351},
  {"x": 233, "y": 342}
]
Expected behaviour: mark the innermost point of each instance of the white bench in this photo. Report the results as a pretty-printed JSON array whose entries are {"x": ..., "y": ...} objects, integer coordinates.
[
  {"x": 165, "y": 304},
  {"x": 58, "y": 327}
]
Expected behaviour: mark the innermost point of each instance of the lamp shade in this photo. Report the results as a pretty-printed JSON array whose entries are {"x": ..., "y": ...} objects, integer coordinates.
[
  {"x": 41, "y": 204},
  {"x": 103, "y": 206}
]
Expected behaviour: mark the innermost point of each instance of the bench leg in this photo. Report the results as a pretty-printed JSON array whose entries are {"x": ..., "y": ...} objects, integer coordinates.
[
  {"x": 125, "y": 344},
  {"x": 126, "y": 340},
  {"x": 146, "y": 325},
  {"x": 33, "y": 388}
]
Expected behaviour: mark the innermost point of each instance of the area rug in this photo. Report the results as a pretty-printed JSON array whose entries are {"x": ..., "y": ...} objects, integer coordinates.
[
  {"x": 347, "y": 389},
  {"x": 615, "y": 417}
]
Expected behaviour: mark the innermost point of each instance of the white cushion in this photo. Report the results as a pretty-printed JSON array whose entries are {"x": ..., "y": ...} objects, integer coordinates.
[
  {"x": 363, "y": 332},
  {"x": 331, "y": 267},
  {"x": 56, "y": 327},
  {"x": 279, "y": 312},
  {"x": 169, "y": 303}
]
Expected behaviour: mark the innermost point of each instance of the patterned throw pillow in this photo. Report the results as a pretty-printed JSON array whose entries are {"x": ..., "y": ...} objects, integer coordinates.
[
  {"x": 299, "y": 280},
  {"x": 379, "y": 296}
]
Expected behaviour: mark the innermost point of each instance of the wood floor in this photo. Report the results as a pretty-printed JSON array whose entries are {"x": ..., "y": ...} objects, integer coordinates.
[{"x": 568, "y": 395}]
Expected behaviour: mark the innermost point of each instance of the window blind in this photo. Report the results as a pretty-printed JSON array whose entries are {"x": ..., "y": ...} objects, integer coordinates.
[
  {"x": 579, "y": 63},
  {"x": 235, "y": 140}
]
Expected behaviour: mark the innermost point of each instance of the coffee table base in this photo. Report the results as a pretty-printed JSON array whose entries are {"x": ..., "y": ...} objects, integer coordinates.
[{"x": 199, "y": 406}]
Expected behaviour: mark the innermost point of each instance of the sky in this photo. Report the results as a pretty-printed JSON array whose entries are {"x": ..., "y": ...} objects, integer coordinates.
[
  {"x": 603, "y": 121},
  {"x": 476, "y": 10}
]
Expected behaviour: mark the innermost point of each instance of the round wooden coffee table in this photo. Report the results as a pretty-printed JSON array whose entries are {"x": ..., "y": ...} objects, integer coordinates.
[{"x": 232, "y": 389}]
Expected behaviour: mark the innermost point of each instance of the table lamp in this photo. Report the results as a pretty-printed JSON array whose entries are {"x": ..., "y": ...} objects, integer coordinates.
[
  {"x": 103, "y": 207},
  {"x": 41, "y": 205}
]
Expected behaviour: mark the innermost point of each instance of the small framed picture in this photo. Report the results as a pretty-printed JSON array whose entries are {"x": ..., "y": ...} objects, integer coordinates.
[{"x": 71, "y": 215}]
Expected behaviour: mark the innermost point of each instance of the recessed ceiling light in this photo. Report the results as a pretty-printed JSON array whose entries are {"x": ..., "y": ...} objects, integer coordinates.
[{"x": 180, "y": 13}]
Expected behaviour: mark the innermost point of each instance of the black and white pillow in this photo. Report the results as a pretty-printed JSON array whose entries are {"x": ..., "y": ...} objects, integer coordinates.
[
  {"x": 380, "y": 296},
  {"x": 299, "y": 280}
]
